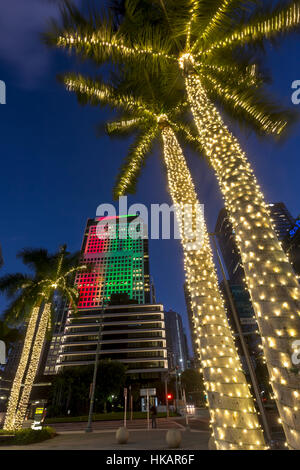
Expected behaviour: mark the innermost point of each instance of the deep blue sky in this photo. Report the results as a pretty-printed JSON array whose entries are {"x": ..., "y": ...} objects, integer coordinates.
[{"x": 55, "y": 171}]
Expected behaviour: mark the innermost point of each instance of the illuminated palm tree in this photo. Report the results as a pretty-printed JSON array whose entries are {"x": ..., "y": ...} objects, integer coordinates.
[
  {"x": 9, "y": 335},
  {"x": 31, "y": 302},
  {"x": 209, "y": 46},
  {"x": 151, "y": 118}
]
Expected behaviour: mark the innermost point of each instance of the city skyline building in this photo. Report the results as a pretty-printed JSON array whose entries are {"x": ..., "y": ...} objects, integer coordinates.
[
  {"x": 176, "y": 341},
  {"x": 119, "y": 260},
  {"x": 192, "y": 327},
  {"x": 291, "y": 245},
  {"x": 241, "y": 298},
  {"x": 133, "y": 334},
  {"x": 282, "y": 220},
  {"x": 114, "y": 297}
]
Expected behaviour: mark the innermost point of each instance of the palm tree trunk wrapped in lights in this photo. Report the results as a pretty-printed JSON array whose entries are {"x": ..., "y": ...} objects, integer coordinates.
[
  {"x": 9, "y": 423},
  {"x": 233, "y": 416},
  {"x": 273, "y": 285},
  {"x": 33, "y": 365},
  {"x": 52, "y": 273},
  {"x": 220, "y": 39}
]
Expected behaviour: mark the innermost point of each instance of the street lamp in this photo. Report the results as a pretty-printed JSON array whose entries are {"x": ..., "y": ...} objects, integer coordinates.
[{"x": 89, "y": 424}]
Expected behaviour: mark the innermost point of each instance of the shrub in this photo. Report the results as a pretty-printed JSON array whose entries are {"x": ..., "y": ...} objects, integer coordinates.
[{"x": 26, "y": 436}]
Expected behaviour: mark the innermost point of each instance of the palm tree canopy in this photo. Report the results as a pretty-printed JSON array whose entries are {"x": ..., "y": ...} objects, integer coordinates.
[
  {"x": 141, "y": 111},
  {"x": 51, "y": 273},
  {"x": 223, "y": 41},
  {"x": 7, "y": 334}
]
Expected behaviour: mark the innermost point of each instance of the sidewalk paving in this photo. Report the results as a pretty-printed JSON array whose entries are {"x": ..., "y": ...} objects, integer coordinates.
[
  {"x": 99, "y": 440},
  {"x": 136, "y": 424}
]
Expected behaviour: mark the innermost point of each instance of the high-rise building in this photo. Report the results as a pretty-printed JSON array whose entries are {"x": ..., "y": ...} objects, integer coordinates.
[
  {"x": 176, "y": 342},
  {"x": 226, "y": 238},
  {"x": 13, "y": 359},
  {"x": 243, "y": 305},
  {"x": 114, "y": 299},
  {"x": 282, "y": 221},
  {"x": 8, "y": 371},
  {"x": 195, "y": 345},
  {"x": 291, "y": 245},
  {"x": 52, "y": 349},
  {"x": 133, "y": 334},
  {"x": 120, "y": 261}
]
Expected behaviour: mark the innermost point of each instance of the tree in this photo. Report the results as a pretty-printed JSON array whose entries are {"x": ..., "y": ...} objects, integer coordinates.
[
  {"x": 151, "y": 117},
  {"x": 9, "y": 335},
  {"x": 212, "y": 47},
  {"x": 31, "y": 301},
  {"x": 192, "y": 380},
  {"x": 71, "y": 387},
  {"x": 111, "y": 376},
  {"x": 193, "y": 383}
]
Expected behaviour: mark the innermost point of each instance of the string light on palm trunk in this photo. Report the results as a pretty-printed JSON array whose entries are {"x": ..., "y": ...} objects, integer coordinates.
[
  {"x": 9, "y": 423},
  {"x": 272, "y": 284},
  {"x": 234, "y": 420},
  {"x": 42, "y": 289},
  {"x": 33, "y": 365}
]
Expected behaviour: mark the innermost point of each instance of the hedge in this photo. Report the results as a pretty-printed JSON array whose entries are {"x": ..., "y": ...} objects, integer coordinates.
[{"x": 26, "y": 436}]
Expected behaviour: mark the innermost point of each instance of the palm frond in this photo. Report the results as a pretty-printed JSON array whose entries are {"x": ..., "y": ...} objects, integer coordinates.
[
  {"x": 95, "y": 38},
  {"x": 189, "y": 134},
  {"x": 193, "y": 10},
  {"x": 12, "y": 283},
  {"x": 262, "y": 25},
  {"x": 130, "y": 170},
  {"x": 124, "y": 127},
  {"x": 36, "y": 259},
  {"x": 251, "y": 106},
  {"x": 96, "y": 92},
  {"x": 223, "y": 15},
  {"x": 19, "y": 310}
]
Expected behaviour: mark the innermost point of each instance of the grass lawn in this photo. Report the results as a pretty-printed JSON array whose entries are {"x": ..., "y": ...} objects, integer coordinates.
[{"x": 103, "y": 417}]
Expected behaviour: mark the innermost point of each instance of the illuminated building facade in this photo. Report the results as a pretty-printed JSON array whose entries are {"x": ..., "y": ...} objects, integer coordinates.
[
  {"x": 115, "y": 296},
  {"x": 132, "y": 333},
  {"x": 120, "y": 262}
]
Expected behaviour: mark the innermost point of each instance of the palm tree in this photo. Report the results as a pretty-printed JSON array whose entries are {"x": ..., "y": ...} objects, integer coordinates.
[
  {"x": 9, "y": 335},
  {"x": 211, "y": 46},
  {"x": 151, "y": 118},
  {"x": 31, "y": 302}
]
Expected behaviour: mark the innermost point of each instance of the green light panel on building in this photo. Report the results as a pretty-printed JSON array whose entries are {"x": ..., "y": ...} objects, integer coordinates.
[{"x": 118, "y": 262}]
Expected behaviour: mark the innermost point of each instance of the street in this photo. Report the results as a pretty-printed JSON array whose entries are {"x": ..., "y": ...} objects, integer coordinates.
[{"x": 72, "y": 436}]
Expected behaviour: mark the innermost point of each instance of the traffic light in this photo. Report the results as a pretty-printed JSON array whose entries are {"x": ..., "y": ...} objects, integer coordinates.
[{"x": 169, "y": 396}]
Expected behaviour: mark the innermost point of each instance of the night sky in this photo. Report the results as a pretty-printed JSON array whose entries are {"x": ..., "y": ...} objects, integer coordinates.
[{"x": 55, "y": 171}]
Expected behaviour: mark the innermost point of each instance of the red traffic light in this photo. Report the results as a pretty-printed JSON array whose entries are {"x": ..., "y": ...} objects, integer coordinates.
[{"x": 169, "y": 396}]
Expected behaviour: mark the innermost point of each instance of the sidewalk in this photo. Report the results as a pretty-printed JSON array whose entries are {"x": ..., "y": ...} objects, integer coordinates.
[
  {"x": 99, "y": 440},
  {"x": 135, "y": 425}
]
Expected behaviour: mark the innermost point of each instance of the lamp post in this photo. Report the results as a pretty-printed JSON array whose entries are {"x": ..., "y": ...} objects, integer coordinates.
[
  {"x": 243, "y": 343},
  {"x": 89, "y": 424}
]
